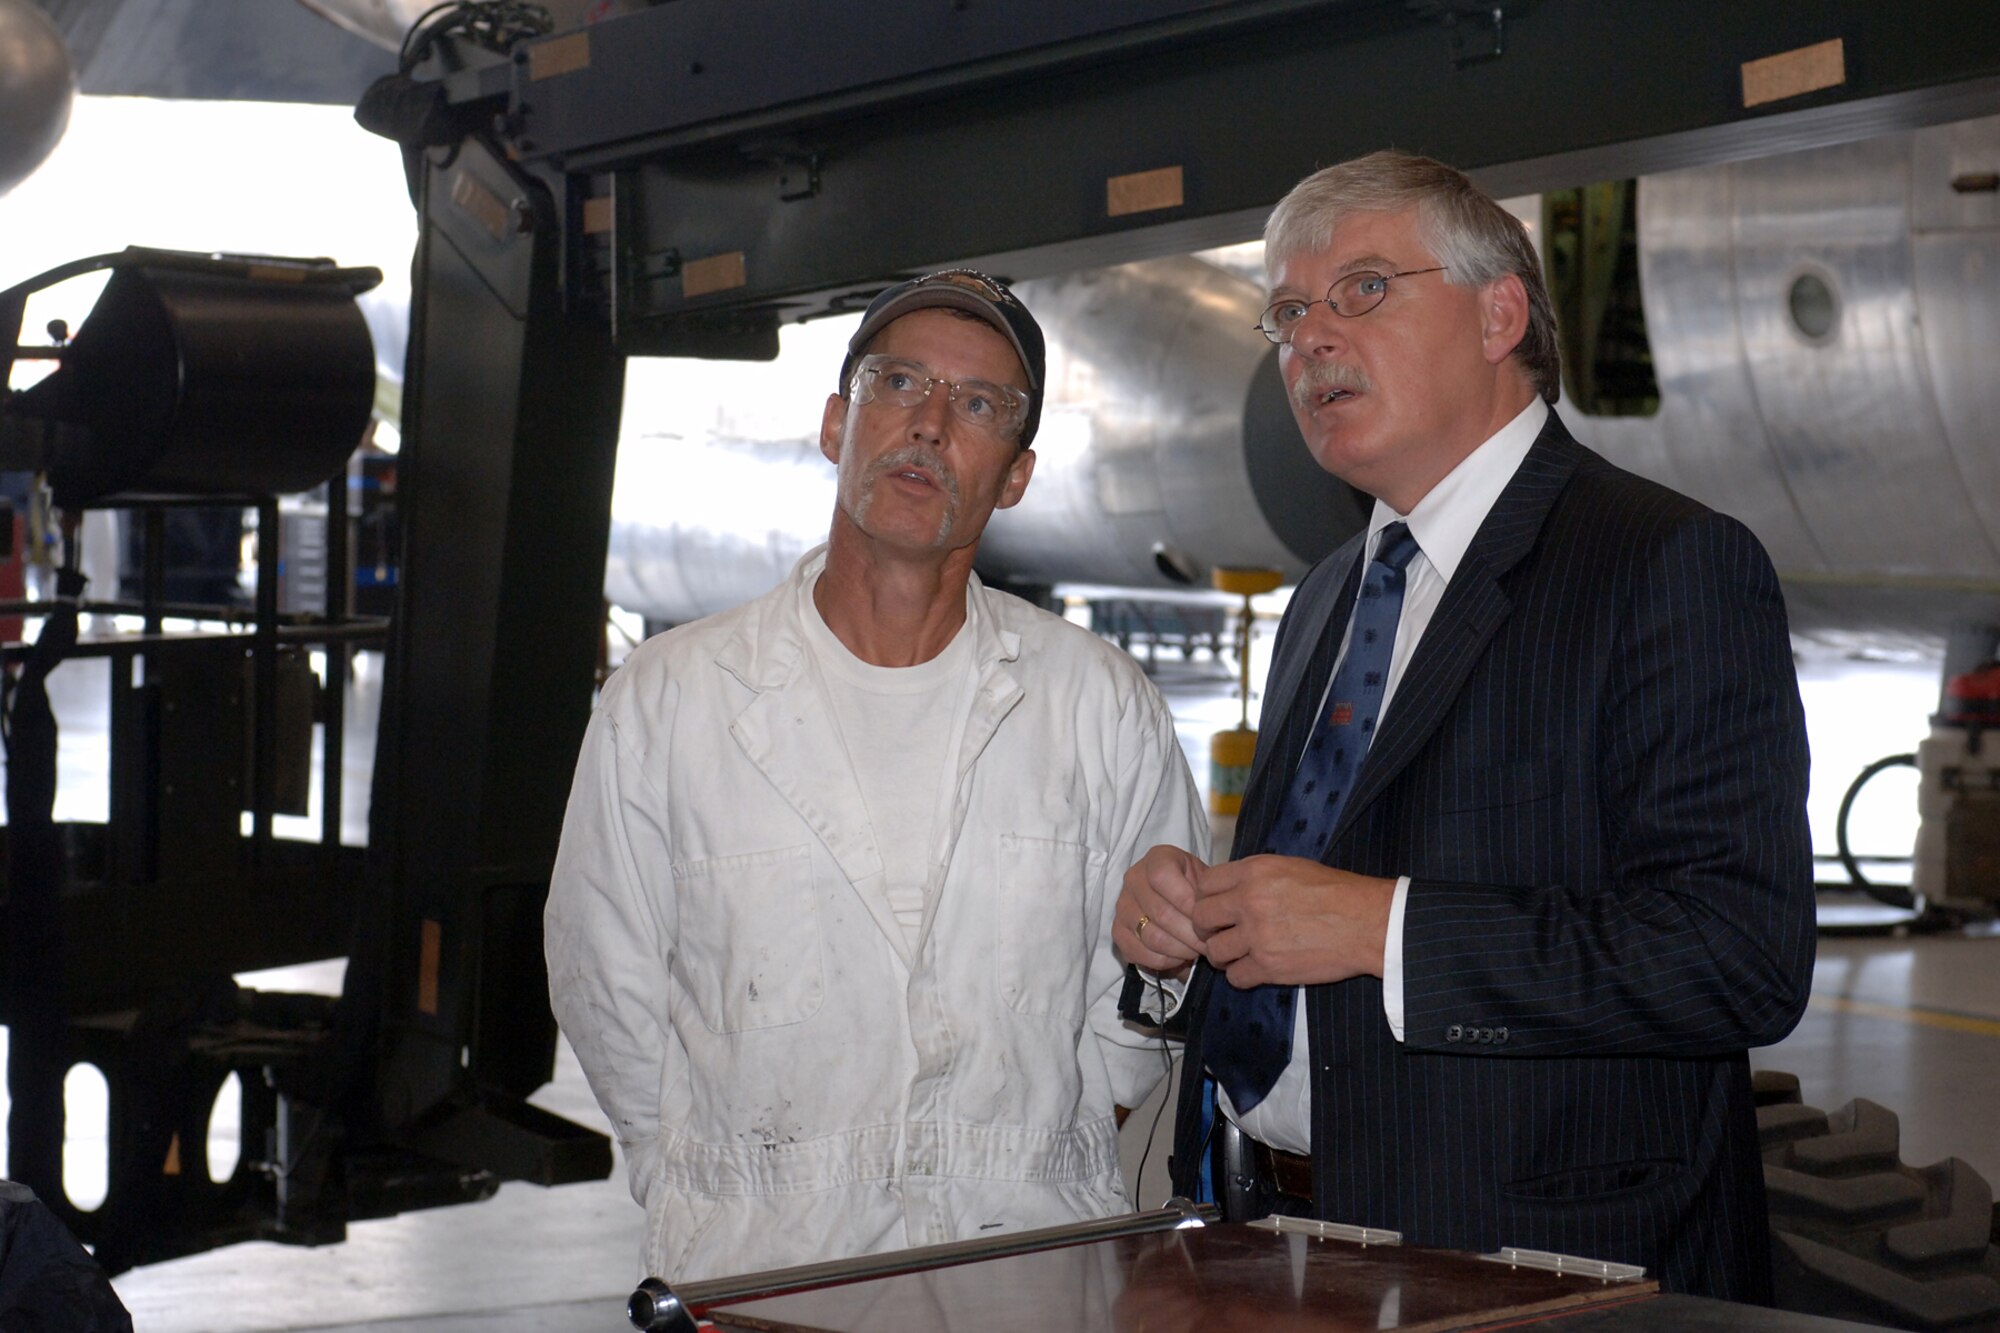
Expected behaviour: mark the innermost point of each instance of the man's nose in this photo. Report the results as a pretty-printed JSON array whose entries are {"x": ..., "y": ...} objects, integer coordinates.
[
  {"x": 928, "y": 421},
  {"x": 1319, "y": 331}
]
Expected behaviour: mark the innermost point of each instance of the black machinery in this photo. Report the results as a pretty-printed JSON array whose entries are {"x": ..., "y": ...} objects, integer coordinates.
[{"x": 199, "y": 380}]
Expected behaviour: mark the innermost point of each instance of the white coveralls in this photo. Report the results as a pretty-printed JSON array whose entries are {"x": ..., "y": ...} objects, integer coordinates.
[{"x": 787, "y": 1084}]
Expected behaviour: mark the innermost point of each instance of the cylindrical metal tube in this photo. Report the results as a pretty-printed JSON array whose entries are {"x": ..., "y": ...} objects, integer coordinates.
[{"x": 658, "y": 1308}]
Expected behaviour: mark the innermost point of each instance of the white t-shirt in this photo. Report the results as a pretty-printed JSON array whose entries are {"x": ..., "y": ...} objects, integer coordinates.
[{"x": 901, "y": 726}]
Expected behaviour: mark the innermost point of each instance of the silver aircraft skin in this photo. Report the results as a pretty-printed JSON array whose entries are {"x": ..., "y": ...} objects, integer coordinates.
[
  {"x": 1857, "y": 441},
  {"x": 1823, "y": 326}
]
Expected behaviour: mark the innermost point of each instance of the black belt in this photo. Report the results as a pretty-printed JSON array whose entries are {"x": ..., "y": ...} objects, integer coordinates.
[{"x": 1290, "y": 1173}]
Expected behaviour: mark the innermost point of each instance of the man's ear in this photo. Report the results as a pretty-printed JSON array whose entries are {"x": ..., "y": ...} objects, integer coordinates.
[
  {"x": 1503, "y": 317},
  {"x": 1022, "y": 468},
  {"x": 831, "y": 422}
]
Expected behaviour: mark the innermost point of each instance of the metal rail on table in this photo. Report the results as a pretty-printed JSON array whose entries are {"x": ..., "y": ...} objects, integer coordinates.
[{"x": 657, "y": 1308}]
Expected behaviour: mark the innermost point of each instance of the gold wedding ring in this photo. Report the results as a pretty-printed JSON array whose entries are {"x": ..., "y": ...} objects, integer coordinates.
[{"x": 1139, "y": 931}]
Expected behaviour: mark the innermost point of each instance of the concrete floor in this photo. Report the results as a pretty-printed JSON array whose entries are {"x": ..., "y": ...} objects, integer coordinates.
[{"x": 1911, "y": 1023}]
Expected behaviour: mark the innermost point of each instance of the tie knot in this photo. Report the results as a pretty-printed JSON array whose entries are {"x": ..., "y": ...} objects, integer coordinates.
[{"x": 1398, "y": 546}]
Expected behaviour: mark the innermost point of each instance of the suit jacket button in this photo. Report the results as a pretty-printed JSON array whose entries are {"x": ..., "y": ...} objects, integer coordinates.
[
  {"x": 1482, "y": 1035},
  {"x": 1500, "y": 1035},
  {"x": 1454, "y": 1033}
]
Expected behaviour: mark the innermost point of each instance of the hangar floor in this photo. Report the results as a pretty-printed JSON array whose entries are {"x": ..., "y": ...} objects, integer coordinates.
[{"x": 1912, "y": 1023}]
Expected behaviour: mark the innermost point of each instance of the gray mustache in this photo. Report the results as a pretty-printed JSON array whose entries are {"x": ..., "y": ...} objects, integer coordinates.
[
  {"x": 916, "y": 455},
  {"x": 1321, "y": 376}
]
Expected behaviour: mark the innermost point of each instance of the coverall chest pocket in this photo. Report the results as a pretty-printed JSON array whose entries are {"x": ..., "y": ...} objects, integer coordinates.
[
  {"x": 750, "y": 939},
  {"x": 1046, "y": 909}
]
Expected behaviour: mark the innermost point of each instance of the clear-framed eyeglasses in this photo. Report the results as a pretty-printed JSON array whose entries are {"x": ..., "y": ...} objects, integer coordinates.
[
  {"x": 997, "y": 408},
  {"x": 1353, "y": 295}
]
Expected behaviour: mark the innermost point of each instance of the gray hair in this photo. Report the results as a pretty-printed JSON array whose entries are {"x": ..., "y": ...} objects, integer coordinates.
[{"x": 1477, "y": 240}]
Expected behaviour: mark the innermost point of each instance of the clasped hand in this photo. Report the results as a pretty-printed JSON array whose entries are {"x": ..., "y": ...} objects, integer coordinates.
[{"x": 1262, "y": 920}]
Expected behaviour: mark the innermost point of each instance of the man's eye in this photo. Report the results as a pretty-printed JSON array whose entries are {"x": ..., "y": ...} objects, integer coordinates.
[
  {"x": 1290, "y": 312},
  {"x": 979, "y": 404},
  {"x": 897, "y": 381},
  {"x": 1370, "y": 284}
]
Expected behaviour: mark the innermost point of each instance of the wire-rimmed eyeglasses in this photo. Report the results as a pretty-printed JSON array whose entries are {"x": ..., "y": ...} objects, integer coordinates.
[
  {"x": 998, "y": 408},
  {"x": 1353, "y": 295}
]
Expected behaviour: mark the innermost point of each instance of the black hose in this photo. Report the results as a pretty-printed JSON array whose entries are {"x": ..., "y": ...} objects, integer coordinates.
[{"x": 1890, "y": 894}]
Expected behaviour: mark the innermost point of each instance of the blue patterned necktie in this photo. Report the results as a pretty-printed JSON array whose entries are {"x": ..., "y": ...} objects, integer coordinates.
[{"x": 1248, "y": 1034}]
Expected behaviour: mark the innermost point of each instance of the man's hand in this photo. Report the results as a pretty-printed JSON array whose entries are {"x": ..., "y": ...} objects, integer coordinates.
[
  {"x": 1150, "y": 925},
  {"x": 1288, "y": 921}
]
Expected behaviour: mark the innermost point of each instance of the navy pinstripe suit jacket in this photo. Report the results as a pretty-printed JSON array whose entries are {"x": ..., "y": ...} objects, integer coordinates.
[{"x": 1594, "y": 772}]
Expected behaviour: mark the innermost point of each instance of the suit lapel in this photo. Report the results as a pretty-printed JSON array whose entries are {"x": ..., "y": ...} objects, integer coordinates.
[
  {"x": 1322, "y": 605},
  {"x": 1472, "y": 610}
]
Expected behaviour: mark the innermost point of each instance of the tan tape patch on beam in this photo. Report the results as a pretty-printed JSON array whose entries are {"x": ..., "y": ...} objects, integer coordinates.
[
  {"x": 1144, "y": 191},
  {"x": 564, "y": 55},
  {"x": 1794, "y": 73},
  {"x": 480, "y": 204},
  {"x": 430, "y": 947},
  {"x": 717, "y": 273},
  {"x": 1930, "y": 1018}
]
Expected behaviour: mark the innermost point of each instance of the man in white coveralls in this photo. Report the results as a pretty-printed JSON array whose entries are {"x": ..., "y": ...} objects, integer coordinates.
[{"x": 830, "y": 924}]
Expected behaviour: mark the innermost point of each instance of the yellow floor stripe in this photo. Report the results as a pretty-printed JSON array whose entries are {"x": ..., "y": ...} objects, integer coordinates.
[{"x": 1933, "y": 1018}]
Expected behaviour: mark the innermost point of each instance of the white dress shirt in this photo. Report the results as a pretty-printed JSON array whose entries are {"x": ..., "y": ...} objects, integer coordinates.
[{"x": 1444, "y": 523}]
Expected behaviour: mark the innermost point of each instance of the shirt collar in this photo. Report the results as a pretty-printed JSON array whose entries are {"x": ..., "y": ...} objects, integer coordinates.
[
  {"x": 1445, "y": 521},
  {"x": 767, "y": 649}
]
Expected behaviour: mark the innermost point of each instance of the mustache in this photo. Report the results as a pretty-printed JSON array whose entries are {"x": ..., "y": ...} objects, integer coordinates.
[
  {"x": 917, "y": 455},
  {"x": 1321, "y": 376}
]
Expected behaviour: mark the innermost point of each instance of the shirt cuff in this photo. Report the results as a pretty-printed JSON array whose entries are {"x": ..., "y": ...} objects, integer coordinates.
[
  {"x": 1392, "y": 960},
  {"x": 1168, "y": 993},
  {"x": 1149, "y": 1000}
]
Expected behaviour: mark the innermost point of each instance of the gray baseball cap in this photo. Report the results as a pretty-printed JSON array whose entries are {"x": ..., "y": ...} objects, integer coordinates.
[{"x": 971, "y": 291}]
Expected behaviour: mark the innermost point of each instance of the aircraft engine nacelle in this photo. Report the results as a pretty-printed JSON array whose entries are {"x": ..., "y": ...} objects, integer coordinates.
[{"x": 1166, "y": 447}]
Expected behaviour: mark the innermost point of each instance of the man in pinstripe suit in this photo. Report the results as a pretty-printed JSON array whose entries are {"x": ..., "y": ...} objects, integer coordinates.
[{"x": 1566, "y": 882}]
